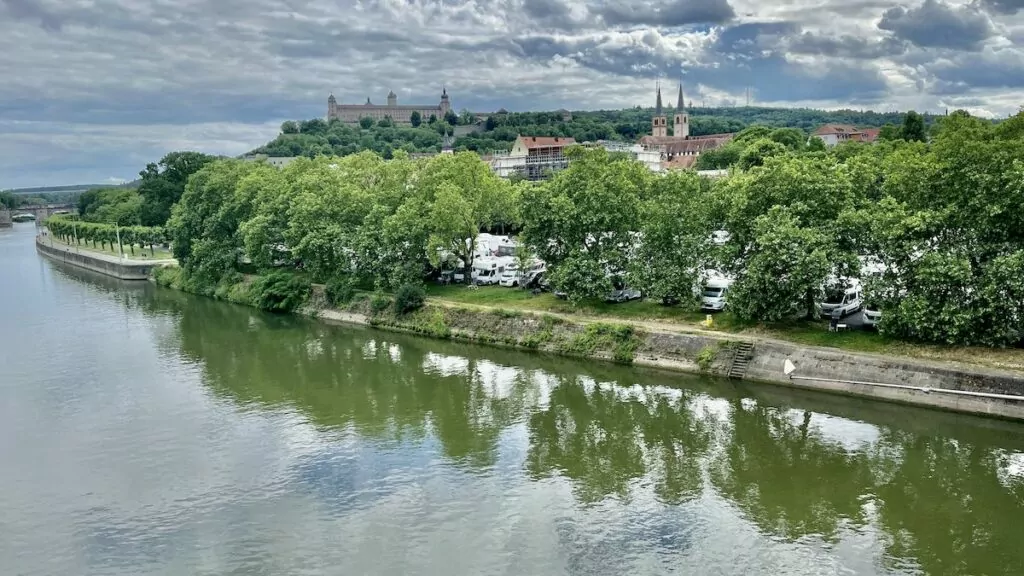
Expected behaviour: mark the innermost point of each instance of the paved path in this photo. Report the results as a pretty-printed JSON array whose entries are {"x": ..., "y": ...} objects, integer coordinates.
[{"x": 56, "y": 243}]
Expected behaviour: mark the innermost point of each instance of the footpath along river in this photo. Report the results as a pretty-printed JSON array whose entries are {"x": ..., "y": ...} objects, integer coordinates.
[{"x": 146, "y": 431}]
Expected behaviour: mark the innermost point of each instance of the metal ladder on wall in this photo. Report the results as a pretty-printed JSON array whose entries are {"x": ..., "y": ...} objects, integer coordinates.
[{"x": 741, "y": 357}]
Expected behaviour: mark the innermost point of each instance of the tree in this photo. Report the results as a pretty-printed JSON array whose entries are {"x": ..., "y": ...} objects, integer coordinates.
[
  {"x": 415, "y": 119},
  {"x": 464, "y": 196},
  {"x": 466, "y": 117},
  {"x": 586, "y": 217},
  {"x": 290, "y": 127},
  {"x": 451, "y": 118},
  {"x": 163, "y": 184},
  {"x": 756, "y": 152},
  {"x": 815, "y": 144},
  {"x": 786, "y": 270},
  {"x": 675, "y": 231},
  {"x": 366, "y": 122},
  {"x": 385, "y": 122},
  {"x": 432, "y": 119},
  {"x": 8, "y": 200},
  {"x": 204, "y": 226},
  {"x": 889, "y": 132},
  {"x": 791, "y": 138},
  {"x": 913, "y": 128}
]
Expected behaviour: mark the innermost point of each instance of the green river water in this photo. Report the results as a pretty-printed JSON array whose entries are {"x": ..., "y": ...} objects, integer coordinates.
[{"x": 146, "y": 431}]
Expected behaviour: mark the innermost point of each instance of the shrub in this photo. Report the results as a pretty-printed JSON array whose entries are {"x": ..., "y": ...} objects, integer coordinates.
[
  {"x": 379, "y": 303},
  {"x": 705, "y": 358},
  {"x": 409, "y": 298},
  {"x": 279, "y": 291},
  {"x": 169, "y": 276},
  {"x": 340, "y": 290}
]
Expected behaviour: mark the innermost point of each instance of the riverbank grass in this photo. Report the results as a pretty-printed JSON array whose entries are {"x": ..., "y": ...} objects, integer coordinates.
[{"x": 654, "y": 316}]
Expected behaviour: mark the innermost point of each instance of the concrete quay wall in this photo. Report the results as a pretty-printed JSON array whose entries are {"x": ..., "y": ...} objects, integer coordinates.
[{"x": 108, "y": 265}]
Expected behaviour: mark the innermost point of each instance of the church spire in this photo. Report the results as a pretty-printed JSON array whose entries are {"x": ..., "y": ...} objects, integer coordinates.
[
  {"x": 657, "y": 106},
  {"x": 679, "y": 104}
]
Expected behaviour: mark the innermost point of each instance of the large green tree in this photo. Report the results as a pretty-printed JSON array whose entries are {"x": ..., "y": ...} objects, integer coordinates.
[
  {"x": 163, "y": 184},
  {"x": 674, "y": 245},
  {"x": 583, "y": 222}
]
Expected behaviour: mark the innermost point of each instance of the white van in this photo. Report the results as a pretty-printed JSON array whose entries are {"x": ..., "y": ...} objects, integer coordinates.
[
  {"x": 713, "y": 298},
  {"x": 846, "y": 301}
]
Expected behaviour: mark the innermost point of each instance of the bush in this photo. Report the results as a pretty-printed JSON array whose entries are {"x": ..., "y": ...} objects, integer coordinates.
[
  {"x": 409, "y": 298},
  {"x": 279, "y": 292},
  {"x": 340, "y": 290},
  {"x": 379, "y": 303},
  {"x": 705, "y": 358}
]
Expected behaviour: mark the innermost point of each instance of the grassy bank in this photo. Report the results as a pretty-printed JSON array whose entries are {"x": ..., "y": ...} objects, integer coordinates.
[
  {"x": 446, "y": 301},
  {"x": 677, "y": 319}
]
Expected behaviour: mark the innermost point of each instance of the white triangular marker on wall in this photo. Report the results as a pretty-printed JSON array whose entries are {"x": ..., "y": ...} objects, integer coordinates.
[{"x": 788, "y": 367}]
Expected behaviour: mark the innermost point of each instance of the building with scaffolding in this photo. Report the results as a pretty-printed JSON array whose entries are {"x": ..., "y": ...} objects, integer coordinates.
[
  {"x": 533, "y": 157},
  {"x": 651, "y": 159}
]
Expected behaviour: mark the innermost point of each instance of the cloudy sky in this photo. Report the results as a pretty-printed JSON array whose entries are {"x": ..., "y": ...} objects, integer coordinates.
[{"x": 94, "y": 89}]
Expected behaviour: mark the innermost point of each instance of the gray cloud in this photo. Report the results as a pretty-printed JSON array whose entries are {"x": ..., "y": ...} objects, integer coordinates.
[
  {"x": 845, "y": 46},
  {"x": 32, "y": 11},
  {"x": 978, "y": 72},
  {"x": 935, "y": 24},
  {"x": 1008, "y": 7},
  {"x": 95, "y": 89},
  {"x": 670, "y": 14}
]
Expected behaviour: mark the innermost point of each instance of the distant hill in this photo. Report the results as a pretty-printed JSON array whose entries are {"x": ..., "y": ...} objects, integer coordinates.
[
  {"x": 71, "y": 189},
  {"x": 496, "y": 132}
]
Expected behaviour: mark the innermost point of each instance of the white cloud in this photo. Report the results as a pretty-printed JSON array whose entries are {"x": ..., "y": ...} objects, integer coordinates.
[{"x": 99, "y": 87}]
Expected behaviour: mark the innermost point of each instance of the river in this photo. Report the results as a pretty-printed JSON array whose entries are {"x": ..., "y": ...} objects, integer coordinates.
[{"x": 146, "y": 431}]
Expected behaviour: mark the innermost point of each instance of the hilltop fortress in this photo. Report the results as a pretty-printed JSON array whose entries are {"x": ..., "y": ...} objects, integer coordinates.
[{"x": 352, "y": 113}]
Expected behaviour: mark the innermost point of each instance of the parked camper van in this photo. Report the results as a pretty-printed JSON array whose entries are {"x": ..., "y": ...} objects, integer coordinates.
[
  {"x": 513, "y": 276},
  {"x": 488, "y": 270},
  {"x": 846, "y": 301},
  {"x": 713, "y": 298}
]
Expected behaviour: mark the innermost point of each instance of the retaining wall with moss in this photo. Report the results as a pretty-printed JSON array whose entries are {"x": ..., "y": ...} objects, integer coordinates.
[{"x": 836, "y": 371}]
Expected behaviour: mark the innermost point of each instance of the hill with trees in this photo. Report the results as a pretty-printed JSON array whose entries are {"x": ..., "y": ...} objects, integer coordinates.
[{"x": 316, "y": 137}]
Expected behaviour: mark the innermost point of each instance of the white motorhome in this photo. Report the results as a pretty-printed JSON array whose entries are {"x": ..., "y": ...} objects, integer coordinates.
[
  {"x": 513, "y": 276},
  {"x": 844, "y": 300},
  {"x": 488, "y": 269},
  {"x": 714, "y": 296}
]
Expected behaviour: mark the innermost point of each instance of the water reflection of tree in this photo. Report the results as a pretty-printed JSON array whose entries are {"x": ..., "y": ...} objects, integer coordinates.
[
  {"x": 943, "y": 505},
  {"x": 603, "y": 442},
  {"x": 787, "y": 478},
  {"x": 937, "y": 502},
  {"x": 346, "y": 379}
]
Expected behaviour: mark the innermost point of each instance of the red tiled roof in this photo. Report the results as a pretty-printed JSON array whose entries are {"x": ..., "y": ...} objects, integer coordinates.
[
  {"x": 532, "y": 142},
  {"x": 870, "y": 134},
  {"x": 674, "y": 145},
  {"x": 837, "y": 129},
  {"x": 679, "y": 163}
]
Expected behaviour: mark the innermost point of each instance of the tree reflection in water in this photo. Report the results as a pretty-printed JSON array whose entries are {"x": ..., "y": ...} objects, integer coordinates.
[{"x": 937, "y": 493}]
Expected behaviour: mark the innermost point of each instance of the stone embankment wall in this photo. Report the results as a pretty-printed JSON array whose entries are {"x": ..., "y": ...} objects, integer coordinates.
[
  {"x": 110, "y": 266},
  {"x": 5, "y": 218},
  {"x": 834, "y": 370}
]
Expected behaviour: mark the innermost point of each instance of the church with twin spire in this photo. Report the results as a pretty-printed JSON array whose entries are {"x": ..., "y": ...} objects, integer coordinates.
[
  {"x": 680, "y": 150},
  {"x": 680, "y": 123}
]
